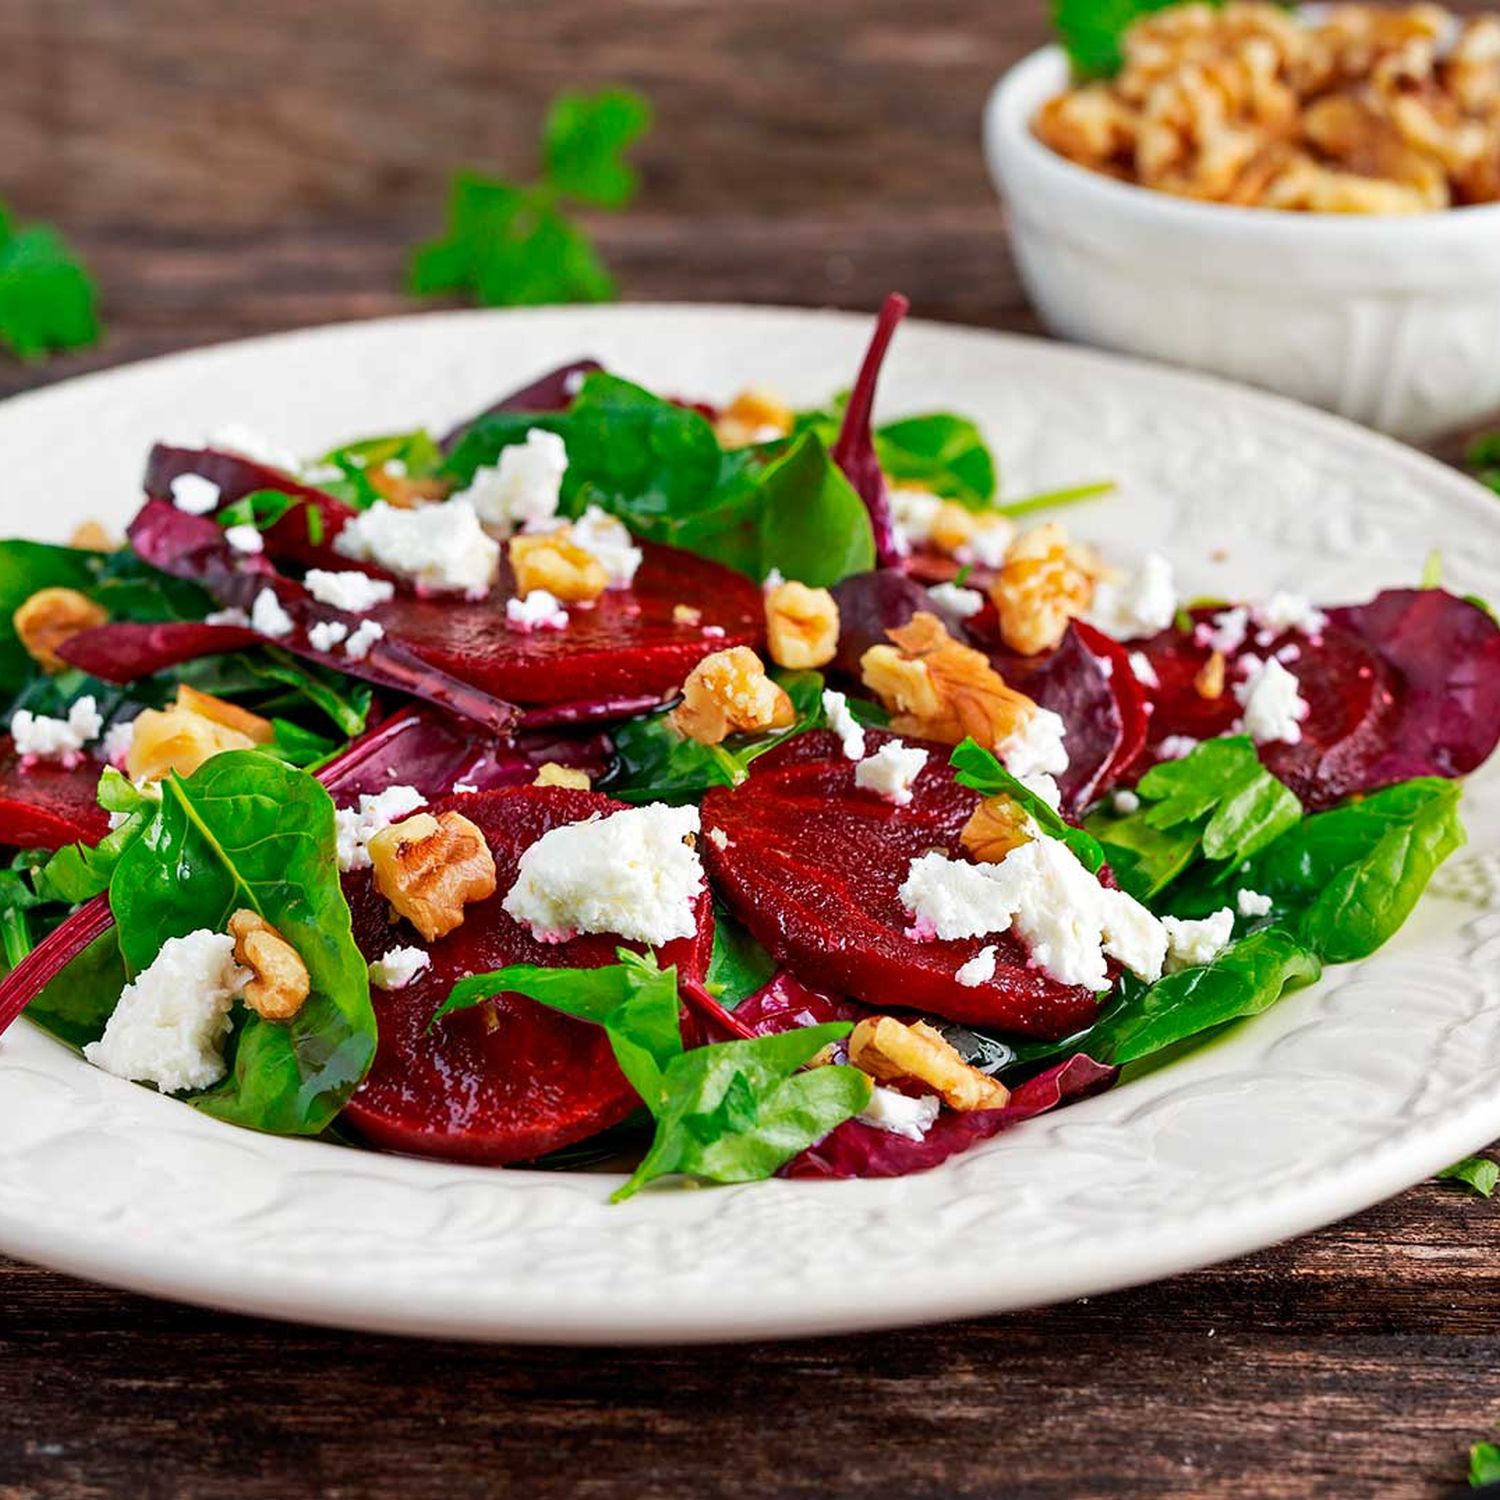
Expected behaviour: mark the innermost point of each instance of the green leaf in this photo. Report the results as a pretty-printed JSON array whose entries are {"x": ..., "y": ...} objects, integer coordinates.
[
  {"x": 737, "y": 1111},
  {"x": 1092, "y": 31},
  {"x": 939, "y": 452},
  {"x": 810, "y": 522},
  {"x": 1352, "y": 875},
  {"x": 75, "y": 1006},
  {"x": 739, "y": 966},
  {"x": 584, "y": 141},
  {"x": 1478, "y": 1173},
  {"x": 245, "y": 831},
  {"x": 345, "y": 700},
  {"x": 417, "y": 451},
  {"x": 47, "y": 299},
  {"x": 1484, "y": 1464},
  {"x": 980, "y": 771},
  {"x": 1246, "y": 978},
  {"x": 261, "y": 509}
]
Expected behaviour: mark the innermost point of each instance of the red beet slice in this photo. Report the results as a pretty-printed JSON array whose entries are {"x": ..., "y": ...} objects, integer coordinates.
[
  {"x": 124, "y": 651},
  {"x": 504, "y": 1082},
  {"x": 813, "y": 867},
  {"x": 45, "y": 805}
]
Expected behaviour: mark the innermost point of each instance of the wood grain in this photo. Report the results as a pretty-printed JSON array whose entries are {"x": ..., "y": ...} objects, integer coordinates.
[{"x": 231, "y": 170}]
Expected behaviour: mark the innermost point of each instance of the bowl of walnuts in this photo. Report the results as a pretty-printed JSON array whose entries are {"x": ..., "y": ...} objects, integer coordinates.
[{"x": 1308, "y": 201}]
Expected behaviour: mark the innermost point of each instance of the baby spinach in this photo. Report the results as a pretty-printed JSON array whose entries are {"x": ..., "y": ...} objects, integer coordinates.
[
  {"x": 980, "y": 771},
  {"x": 246, "y": 831},
  {"x": 75, "y": 1005},
  {"x": 1477, "y": 1173},
  {"x": 78, "y": 872},
  {"x": 738, "y": 965},
  {"x": 1350, "y": 877}
]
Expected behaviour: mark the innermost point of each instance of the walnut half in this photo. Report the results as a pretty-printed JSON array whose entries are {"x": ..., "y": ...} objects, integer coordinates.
[
  {"x": 727, "y": 693},
  {"x": 429, "y": 868},
  {"x": 49, "y": 618},
  {"x": 802, "y": 626},
  {"x": 281, "y": 983},
  {"x": 888, "y": 1049}
]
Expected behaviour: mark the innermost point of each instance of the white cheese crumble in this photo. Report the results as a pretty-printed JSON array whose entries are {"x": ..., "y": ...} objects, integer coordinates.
[
  {"x": 440, "y": 547},
  {"x": 245, "y": 538},
  {"x": 990, "y": 542},
  {"x": 606, "y": 538},
  {"x": 719, "y": 839},
  {"x": 117, "y": 742},
  {"x": 979, "y": 970},
  {"x": 1285, "y": 611},
  {"x": 326, "y": 634},
  {"x": 1140, "y": 604},
  {"x": 52, "y": 739},
  {"x": 357, "y": 647},
  {"x": 1252, "y": 904},
  {"x": 1193, "y": 943},
  {"x": 353, "y": 592},
  {"x": 912, "y": 514},
  {"x": 1126, "y": 802},
  {"x": 844, "y": 724},
  {"x": 1176, "y": 747},
  {"x": 170, "y": 1023},
  {"x": 234, "y": 615},
  {"x": 900, "y": 1114},
  {"x": 890, "y": 771},
  {"x": 1145, "y": 673},
  {"x": 1273, "y": 703},
  {"x": 539, "y": 610},
  {"x": 632, "y": 874},
  {"x": 1070, "y": 923},
  {"x": 957, "y": 600},
  {"x": 773, "y": 580},
  {"x": 1037, "y": 747},
  {"x": 525, "y": 486},
  {"x": 354, "y": 827},
  {"x": 194, "y": 494},
  {"x": 1226, "y": 632},
  {"x": 236, "y": 437},
  {"x": 397, "y": 968},
  {"x": 1044, "y": 786},
  {"x": 268, "y": 617}
]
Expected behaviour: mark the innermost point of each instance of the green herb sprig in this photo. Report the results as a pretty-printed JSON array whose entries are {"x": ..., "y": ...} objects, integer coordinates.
[{"x": 48, "y": 300}]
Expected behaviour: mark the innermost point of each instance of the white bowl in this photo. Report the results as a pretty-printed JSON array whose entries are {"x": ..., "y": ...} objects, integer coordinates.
[{"x": 1392, "y": 321}]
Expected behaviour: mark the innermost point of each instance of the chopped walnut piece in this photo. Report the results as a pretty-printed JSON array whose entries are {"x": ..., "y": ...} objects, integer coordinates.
[
  {"x": 728, "y": 693},
  {"x": 802, "y": 626},
  {"x": 281, "y": 983},
  {"x": 998, "y": 825},
  {"x": 404, "y": 492},
  {"x": 552, "y": 774},
  {"x": 888, "y": 1049},
  {"x": 753, "y": 417},
  {"x": 49, "y": 618},
  {"x": 1209, "y": 681},
  {"x": 551, "y": 560},
  {"x": 260, "y": 731},
  {"x": 937, "y": 689},
  {"x": 94, "y": 536},
  {"x": 429, "y": 868},
  {"x": 194, "y": 730},
  {"x": 1044, "y": 583}
]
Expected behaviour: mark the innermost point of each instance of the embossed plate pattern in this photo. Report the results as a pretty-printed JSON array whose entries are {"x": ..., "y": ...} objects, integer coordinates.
[{"x": 1345, "y": 1093}]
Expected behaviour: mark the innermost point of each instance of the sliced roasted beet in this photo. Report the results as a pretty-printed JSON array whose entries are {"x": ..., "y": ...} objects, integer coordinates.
[
  {"x": 1130, "y": 699},
  {"x": 45, "y": 804},
  {"x": 813, "y": 866},
  {"x": 123, "y": 651},
  {"x": 553, "y": 391},
  {"x": 510, "y": 1080},
  {"x": 855, "y": 1149}
]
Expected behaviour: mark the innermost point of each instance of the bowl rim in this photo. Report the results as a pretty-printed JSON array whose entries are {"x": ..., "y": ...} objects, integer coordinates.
[{"x": 1032, "y": 79}]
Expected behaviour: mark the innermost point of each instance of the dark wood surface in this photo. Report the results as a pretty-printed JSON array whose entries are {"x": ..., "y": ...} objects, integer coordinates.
[{"x": 236, "y": 169}]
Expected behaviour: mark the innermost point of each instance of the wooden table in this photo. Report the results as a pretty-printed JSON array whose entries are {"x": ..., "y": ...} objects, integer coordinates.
[{"x": 231, "y": 170}]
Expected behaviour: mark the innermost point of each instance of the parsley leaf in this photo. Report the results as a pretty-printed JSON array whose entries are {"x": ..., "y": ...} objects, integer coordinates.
[
  {"x": 510, "y": 245},
  {"x": 1479, "y": 1174},
  {"x": 47, "y": 299},
  {"x": 1484, "y": 1464},
  {"x": 1092, "y": 30}
]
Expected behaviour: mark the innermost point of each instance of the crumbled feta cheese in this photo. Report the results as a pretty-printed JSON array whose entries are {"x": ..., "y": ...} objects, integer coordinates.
[
  {"x": 399, "y": 967},
  {"x": 1284, "y": 611},
  {"x": 366, "y": 633},
  {"x": 900, "y": 1114},
  {"x": 320, "y": 474},
  {"x": 1289, "y": 653},
  {"x": 774, "y": 579},
  {"x": 353, "y": 592},
  {"x": 1273, "y": 704},
  {"x": 632, "y": 874},
  {"x": 1226, "y": 632},
  {"x": 1176, "y": 747},
  {"x": 117, "y": 742},
  {"x": 354, "y": 827},
  {"x": 235, "y": 437},
  {"x": 1037, "y": 747},
  {"x": 979, "y": 970},
  {"x": 1191, "y": 943},
  {"x": 991, "y": 541},
  {"x": 231, "y": 616},
  {"x": 844, "y": 724},
  {"x": 1252, "y": 904},
  {"x": 539, "y": 610},
  {"x": 169, "y": 1024},
  {"x": 606, "y": 538},
  {"x": 525, "y": 486},
  {"x": 1044, "y": 786},
  {"x": 268, "y": 617},
  {"x": 718, "y": 838},
  {"x": 890, "y": 771},
  {"x": 1070, "y": 923},
  {"x": 1140, "y": 604},
  {"x": 912, "y": 514},
  {"x": 396, "y": 468},
  {"x": 438, "y": 546},
  {"x": 1145, "y": 673},
  {"x": 194, "y": 494},
  {"x": 1126, "y": 802},
  {"x": 465, "y": 786},
  {"x": 965, "y": 603},
  {"x": 245, "y": 538},
  {"x": 326, "y": 634},
  {"x": 47, "y": 738}
]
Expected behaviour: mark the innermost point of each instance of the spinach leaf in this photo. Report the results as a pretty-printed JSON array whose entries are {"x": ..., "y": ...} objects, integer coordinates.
[
  {"x": 75, "y": 1006},
  {"x": 1092, "y": 31},
  {"x": 345, "y": 700},
  {"x": 261, "y": 509},
  {"x": 939, "y": 452},
  {"x": 1246, "y": 978},
  {"x": 417, "y": 452},
  {"x": 1477, "y": 1173},
  {"x": 1352, "y": 875},
  {"x": 737, "y": 1111},
  {"x": 738, "y": 965},
  {"x": 1218, "y": 802},
  {"x": 246, "y": 831},
  {"x": 978, "y": 769}
]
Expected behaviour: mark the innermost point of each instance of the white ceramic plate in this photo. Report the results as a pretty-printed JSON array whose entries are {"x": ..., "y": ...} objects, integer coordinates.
[{"x": 1343, "y": 1094}]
